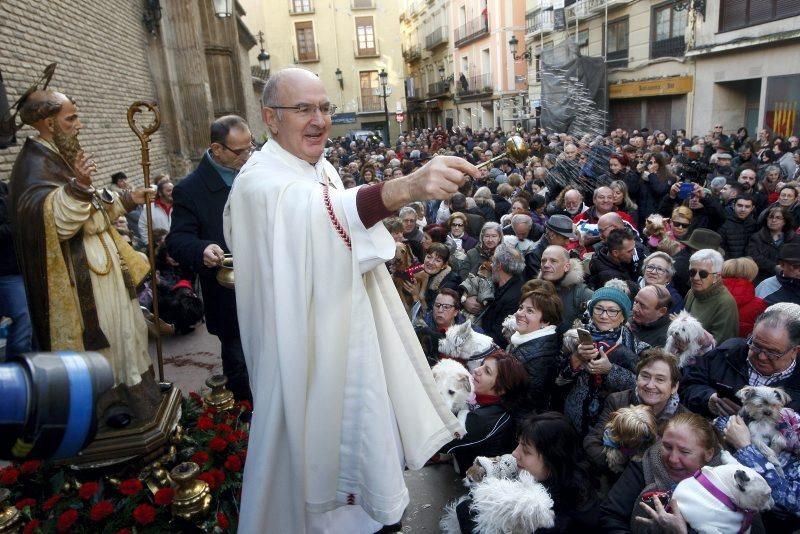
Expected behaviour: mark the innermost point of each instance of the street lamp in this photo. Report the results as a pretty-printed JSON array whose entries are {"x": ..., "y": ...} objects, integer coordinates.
[
  {"x": 263, "y": 57},
  {"x": 512, "y": 44},
  {"x": 384, "y": 77},
  {"x": 223, "y": 8},
  {"x": 339, "y": 77}
]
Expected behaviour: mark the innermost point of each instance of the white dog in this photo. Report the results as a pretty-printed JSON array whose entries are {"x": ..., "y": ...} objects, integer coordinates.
[
  {"x": 761, "y": 411},
  {"x": 720, "y": 499},
  {"x": 454, "y": 383},
  {"x": 484, "y": 467},
  {"x": 466, "y": 345},
  {"x": 687, "y": 339}
]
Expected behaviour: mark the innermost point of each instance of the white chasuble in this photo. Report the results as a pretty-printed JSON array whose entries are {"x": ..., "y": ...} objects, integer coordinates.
[{"x": 341, "y": 388}]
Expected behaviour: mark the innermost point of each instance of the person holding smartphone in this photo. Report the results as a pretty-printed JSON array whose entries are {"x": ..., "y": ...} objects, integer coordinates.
[{"x": 603, "y": 363}]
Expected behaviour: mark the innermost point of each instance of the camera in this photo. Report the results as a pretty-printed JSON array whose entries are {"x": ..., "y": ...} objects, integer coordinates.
[{"x": 48, "y": 408}]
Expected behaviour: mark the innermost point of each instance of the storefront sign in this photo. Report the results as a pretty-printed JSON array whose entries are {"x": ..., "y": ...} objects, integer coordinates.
[
  {"x": 344, "y": 118},
  {"x": 678, "y": 85}
]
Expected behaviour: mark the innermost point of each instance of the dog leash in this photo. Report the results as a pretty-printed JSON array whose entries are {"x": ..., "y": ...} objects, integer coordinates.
[{"x": 747, "y": 520}]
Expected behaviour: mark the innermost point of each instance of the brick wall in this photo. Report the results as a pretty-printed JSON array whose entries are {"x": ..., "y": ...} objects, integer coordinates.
[{"x": 100, "y": 48}]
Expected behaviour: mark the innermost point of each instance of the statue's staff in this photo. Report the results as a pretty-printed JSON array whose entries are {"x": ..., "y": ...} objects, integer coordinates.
[{"x": 144, "y": 137}]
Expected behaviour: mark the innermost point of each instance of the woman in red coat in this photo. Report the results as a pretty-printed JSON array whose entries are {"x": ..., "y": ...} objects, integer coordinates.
[{"x": 738, "y": 275}]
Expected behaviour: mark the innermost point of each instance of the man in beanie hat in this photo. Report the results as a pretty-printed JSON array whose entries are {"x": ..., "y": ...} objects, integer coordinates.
[
  {"x": 785, "y": 286},
  {"x": 558, "y": 230}
]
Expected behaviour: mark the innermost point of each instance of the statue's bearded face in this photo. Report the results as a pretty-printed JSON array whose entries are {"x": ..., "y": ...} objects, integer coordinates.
[{"x": 66, "y": 143}]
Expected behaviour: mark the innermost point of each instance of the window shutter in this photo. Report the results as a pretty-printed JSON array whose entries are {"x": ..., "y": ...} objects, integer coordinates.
[
  {"x": 787, "y": 8},
  {"x": 760, "y": 11},
  {"x": 734, "y": 14}
]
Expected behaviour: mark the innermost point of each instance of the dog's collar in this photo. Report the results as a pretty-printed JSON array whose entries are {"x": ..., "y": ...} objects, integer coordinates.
[
  {"x": 747, "y": 515},
  {"x": 482, "y": 355}
]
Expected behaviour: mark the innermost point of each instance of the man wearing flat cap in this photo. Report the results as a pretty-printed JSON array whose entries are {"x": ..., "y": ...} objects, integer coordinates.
[{"x": 558, "y": 230}]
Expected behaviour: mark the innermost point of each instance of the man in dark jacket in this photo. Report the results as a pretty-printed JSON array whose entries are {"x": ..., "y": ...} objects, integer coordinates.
[
  {"x": 615, "y": 260},
  {"x": 507, "y": 267},
  {"x": 650, "y": 318},
  {"x": 766, "y": 359},
  {"x": 13, "y": 303},
  {"x": 196, "y": 238},
  {"x": 738, "y": 228},
  {"x": 558, "y": 230},
  {"x": 784, "y": 286}
]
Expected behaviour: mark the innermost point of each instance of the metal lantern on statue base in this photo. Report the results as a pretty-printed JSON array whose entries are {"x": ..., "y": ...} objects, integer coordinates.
[
  {"x": 192, "y": 499},
  {"x": 219, "y": 397},
  {"x": 10, "y": 518}
]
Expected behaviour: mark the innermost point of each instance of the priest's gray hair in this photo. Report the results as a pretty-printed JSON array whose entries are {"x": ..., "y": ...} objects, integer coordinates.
[
  {"x": 508, "y": 258},
  {"x": 783, "y": 315},
  {"x": 270, "y": 95},
  {"x": 708, "y": 254}
]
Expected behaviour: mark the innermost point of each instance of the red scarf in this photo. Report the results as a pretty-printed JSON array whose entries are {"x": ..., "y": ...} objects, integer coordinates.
[
  {"x": 166, "y": 207},
  {"x": 486, "y": 400}
]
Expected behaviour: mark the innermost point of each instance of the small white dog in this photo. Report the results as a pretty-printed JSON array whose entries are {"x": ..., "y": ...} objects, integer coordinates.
[
  {"x": 720, "y": 499},
  {"x": 466, "y": 345},
  {"x": 504, "y": 505},
  {"x": 484, "y": 467},
  {"x": 761, "y": 411},
  {"x": 687, "y": 339}
]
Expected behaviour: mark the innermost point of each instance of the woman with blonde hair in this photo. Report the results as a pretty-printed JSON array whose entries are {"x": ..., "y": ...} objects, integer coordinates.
[
  {"x": 738, "y": 275},
  {"x": 622, "y": 200},
  {"x": 680, "y": 222}
]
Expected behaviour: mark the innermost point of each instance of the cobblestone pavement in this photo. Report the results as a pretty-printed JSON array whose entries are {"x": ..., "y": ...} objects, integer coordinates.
[{"x": 190, "y": 359}]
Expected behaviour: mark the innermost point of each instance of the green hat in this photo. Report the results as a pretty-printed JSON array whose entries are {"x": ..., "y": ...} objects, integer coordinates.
[{"x": 614, "y": 295}]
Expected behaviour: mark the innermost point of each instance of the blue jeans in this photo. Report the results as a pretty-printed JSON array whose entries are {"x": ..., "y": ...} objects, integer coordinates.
[{"x": 13, "y": 304}]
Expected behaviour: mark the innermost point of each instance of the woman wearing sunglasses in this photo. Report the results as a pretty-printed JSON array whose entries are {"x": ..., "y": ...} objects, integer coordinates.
[
  {"x": 680, "y": 222},
  {"x": 708, "y": 300}
]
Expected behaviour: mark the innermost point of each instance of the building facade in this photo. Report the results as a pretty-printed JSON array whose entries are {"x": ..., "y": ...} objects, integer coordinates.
[
  {"x": 111, "y": 53},
  {"x": 747, "y": 58},
  {"x": 347, "y": 43}
]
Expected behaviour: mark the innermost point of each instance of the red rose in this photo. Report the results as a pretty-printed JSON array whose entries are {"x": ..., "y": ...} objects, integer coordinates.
[
  {"x": 196, "y": 397},
  {"x": 31, "y": 466},
  {"x": 164, "y": 496},
  {"x": 22, "y": 503},
  {"x": 124, "y": 531},
  {"x": 233, "y": 463},
  {"x": 131, "y": 486},
  {"x": 200, "y": 458},
  {"x": 217, "y": 444},
  {"x": 209, "y": 479},
  {"x": 50, "y": 503},
  {"x": 88, "y": 490},
  {"x": 222, "y": 521},
  {"x": 66, "y": 520},
  {"x": 144, "y": 514},
  {"x": 9, "y": 476},
  {"x": 205, "y": 423},
  {"x": 243, "y": 454},
  {"x": 219, "y": 476},
  {"x": 222, "y": 428},
  {"x": 246, "y": 405},
  {"x": 101, "y": 510},
  {"x": 31, "y": 527},
  {"x": 210, "y": 410}
]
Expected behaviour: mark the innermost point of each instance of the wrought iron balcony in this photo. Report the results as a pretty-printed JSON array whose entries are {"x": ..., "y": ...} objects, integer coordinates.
[
  {"x": 475, "y": 85},
  {"x": 412, "y": 53},
  {"x": 436, "y": 38},
  {"x": 371, "y": 104},
  {"x": 674, "y": 47},
  {"x": 438, "y": 89},
  {"x": 617, "y": 60},
  {"x": 473, "y": 29},
  {"x": 301, "y": 7},
  {"x": 538, "y": 22}
]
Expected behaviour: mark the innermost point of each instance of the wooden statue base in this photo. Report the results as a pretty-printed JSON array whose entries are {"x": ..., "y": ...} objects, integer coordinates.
[{"x": 143, "y": 443}]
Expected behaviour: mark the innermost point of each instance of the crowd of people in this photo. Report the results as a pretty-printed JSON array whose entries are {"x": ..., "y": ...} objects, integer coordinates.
[
  {"x": 576, "y": 262},
  {"x": 614, "y": 235}
]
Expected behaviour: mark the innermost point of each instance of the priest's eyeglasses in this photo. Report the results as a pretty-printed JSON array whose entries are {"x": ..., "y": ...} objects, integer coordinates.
[
  {"x": 759, "y": 350},
  {"x": 308, "y": 110}
]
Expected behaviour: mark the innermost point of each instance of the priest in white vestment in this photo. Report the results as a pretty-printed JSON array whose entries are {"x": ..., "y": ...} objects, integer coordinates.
[{"x": 343, "y": 396}]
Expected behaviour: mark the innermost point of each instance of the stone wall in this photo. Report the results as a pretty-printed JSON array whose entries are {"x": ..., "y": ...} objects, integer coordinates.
[{"x": 100, "y": 48}]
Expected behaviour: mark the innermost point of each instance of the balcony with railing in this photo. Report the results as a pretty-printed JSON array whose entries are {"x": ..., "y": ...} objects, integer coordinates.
[
  {"x": 437, "y": 89},
  {"x": 673, "y": 47},
  {"x": 415, "y": 94},
  {"x": 435, "y": 38},
  {"x": 617, "y": 60},
  {"x": 475, "y": 85},
  {"x": 472, "y": 30},
  {"x": 588, "y": 8},
  {"x": 371, "y": 103},
  {"x": 361, "y": 50},
  {"x": 412, "y": 53},
  {"x": 306, "y": 55},
  {"x": 538, "y": 22},
  {"x": 301, "y": 7}
]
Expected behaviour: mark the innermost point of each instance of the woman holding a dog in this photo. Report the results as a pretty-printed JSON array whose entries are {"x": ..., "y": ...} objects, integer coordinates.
[
  {"x": 657, "y": 378},
  {"x": 500, "y": 386}
]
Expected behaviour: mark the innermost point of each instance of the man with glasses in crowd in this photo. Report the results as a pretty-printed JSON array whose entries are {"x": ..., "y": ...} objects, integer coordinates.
[
  {"x": 195, "y": 239},
  {"x": 767, "y": 358},
  {"x": 709, "y": 301},
  {"x": 343, "y": 396},
  {"x": 784, "y": 286}
]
